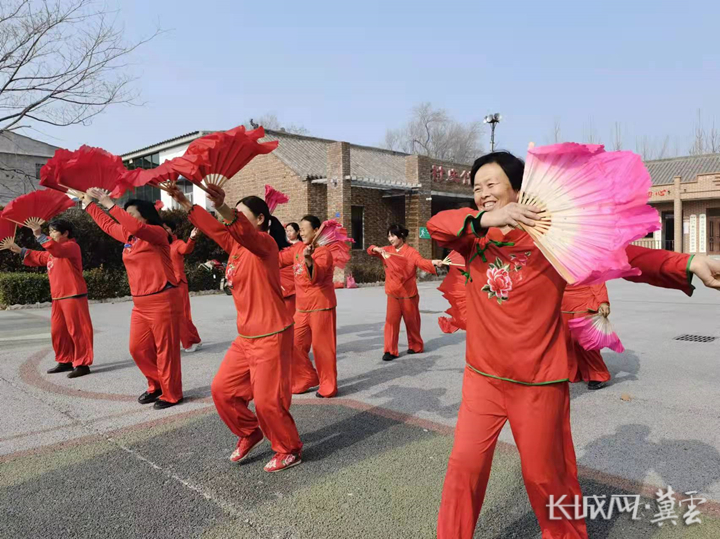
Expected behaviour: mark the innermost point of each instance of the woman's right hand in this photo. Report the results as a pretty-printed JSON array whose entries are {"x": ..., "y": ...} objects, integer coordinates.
[
  {"x": 179, "y": 197},
  {"x": 216, "y": 195},
  {"x": 15, "y": 248},
  {"x": 512, "y": 214}
]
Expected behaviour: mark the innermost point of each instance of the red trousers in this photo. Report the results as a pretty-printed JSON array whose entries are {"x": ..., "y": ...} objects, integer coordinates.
[
  {"x": 316, "y": 328},
  {"x": 188, "y": 332},
  {"x": 540, "y": 420},
  {"x": 72, "y": 332},
  {"x": 155, "y": 341},
  {"x": 409, "y": 310},
  {"x": 259, "y": 370},
  {"x": 591, "y": 366}
]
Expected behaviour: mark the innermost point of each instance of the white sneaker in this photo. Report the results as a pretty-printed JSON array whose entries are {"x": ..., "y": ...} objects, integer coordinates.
[{"x": 194, "y": 348}]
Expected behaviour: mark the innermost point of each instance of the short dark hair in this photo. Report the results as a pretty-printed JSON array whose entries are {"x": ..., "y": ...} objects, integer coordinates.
[
  {"x": 62, "y": 226},
  {"x": 295, "y": 227},
  {"x": 147, "y": 210},
  {"x": 172, "y": 224},
  {"x": 314, "y": 221},
  {"x": 399, "y": 231},
  {"x": 512, "y": 166}
]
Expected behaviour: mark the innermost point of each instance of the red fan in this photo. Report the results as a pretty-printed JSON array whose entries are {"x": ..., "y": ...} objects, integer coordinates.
[
  {"x": 453, "y": 290},
  {"x": 595, "y": 333},
  {"x": 37, "y": 208},
  {"x": 454, "y": 259},
  {"x": 222, "y": 155},
  {"x": 7, "y": 233},
  {"x": 333, "y": 235},
  {"x": 83, "y": 169},
  {"x": 50, "y": 172},
  {"x": 273, "y": 198},
  {"x": 159, "y": 205}
]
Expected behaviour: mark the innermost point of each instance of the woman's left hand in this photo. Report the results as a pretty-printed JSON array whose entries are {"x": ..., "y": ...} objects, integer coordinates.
[
  {"x": 194, "y": 233},
  {"x": 604, "y": 309},
  {"x": 308, "y": 252},
  {"x": 437, "y": 263},
  {"x": 37, "y": 230},
  {"x": 216, "y": 195}
]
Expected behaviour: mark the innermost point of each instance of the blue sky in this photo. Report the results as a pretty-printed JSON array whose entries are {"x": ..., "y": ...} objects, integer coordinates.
[{"x": 349, "y": 70}]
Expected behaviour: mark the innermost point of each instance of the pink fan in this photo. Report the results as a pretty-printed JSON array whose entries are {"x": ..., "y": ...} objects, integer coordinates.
[
  {"x": 594, "y": 333},
  {"x": 594, "y": 205},
  {"x": 333, "y": 235},
  {"x": 8, "y": 229},
  {"x": 453, "y": 290},
  {"x": 83, "y": 169},
  {"x": 222, "y": 155},
  {"x": 273, "y": 198},
  {"x": 37, "y": 208}
]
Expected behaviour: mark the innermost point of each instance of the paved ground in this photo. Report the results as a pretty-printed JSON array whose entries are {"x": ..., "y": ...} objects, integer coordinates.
[{"x": 80, "y": 458}]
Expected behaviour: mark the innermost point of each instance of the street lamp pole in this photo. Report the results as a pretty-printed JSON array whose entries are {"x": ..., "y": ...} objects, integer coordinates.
[{"x": 493, "y": 120}]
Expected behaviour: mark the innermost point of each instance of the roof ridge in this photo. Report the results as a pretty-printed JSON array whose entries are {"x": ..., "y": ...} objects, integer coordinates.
[{"x": 681, "y": 157}]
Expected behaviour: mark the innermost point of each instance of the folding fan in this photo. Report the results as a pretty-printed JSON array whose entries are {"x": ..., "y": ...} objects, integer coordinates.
[
  {"x": 37, "y": 208},
  {"x": 83, "y": 169},
  {"x": 7, "y": 233},
  {"x": 453, "y": 290},
  {"x": 454, "y": 259},
  {"x": 594, "y": 204},
  {"x": 222, "y": 155},
  {"x": 333, "y": 235},
  {"x": 594, "y": 333},
  {"x": 163, "y": 177},
  {"x": 273, "y": 198}
]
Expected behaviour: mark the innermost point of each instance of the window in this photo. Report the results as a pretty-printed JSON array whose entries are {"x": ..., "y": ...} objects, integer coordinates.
[
  {"x": 357, "y": 227},
  {"x": 145, "y": 192},
  {"x": 186, "y": 187},
  {"x": 38, "y": 166},
  {"x": 144, "y": 161}
]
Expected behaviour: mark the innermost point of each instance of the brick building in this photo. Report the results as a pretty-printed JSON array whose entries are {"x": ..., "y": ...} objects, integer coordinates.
[
  {"x": 686, "y": 193},
  {"x": 365, "y": 188},
  {"x": 21, "y": 159}
]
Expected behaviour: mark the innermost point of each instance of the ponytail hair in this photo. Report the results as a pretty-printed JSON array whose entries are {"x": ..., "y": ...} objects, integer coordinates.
[
  {"x": 270, "y": 225},
  {"x": 399, "y": 231}
]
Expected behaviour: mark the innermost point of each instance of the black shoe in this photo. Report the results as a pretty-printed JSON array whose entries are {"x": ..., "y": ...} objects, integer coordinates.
[
  {"x": 161, "y": 404},
  {"x": 412, "y": 352},
  {"x": 81, "y": 370},
  {"x": 595, "y": 385},
  {"x": 319, "y": 396},
  {"x": 388, "y": 356},
  {"x": 147, "y": 398},
  {"x": 60, "y": 367}
]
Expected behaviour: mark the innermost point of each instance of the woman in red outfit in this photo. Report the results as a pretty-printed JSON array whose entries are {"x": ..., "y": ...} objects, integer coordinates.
[
  {"x": 315, "y": 317},
  {"x": 257, "y": 365},
  {"x": 179, "y": 249},
  {"x": 401, "y": 262},
  {"x": 518, "y": 365},
  {"x": 70, "y": 325},
  {"x": 287, "y": 276},
  {"x": 155, "y": 319},
  {"x": 577, "y": 302}
]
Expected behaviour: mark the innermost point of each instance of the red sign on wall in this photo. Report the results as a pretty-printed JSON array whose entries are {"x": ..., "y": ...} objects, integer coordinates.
[
  {"x": 453, "y": 176},
  {"x": 660, "y": 193}
]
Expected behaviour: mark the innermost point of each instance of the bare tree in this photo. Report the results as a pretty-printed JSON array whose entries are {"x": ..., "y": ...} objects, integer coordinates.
[
  {"x": 698, "y": 145},
  {"x": 434, "y": 133},
  {"x": 61, "y": 62},
  {"x": 590, "y": 135},
  {"x": 617, "y": 137},
  {"x": 713, "y": 139},
  {"x": 270, "y": 121},
  {"x": 644, "y": 147},
  {"x": 664, "y": 150}
]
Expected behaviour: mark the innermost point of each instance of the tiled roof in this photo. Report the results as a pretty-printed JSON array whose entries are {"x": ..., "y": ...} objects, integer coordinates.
[
  {"x": 663, "y": 171},
  {"x": 307, "y": 156},
  {"x": 378, "y": 164},
  {"x": 14, "y": 143}
]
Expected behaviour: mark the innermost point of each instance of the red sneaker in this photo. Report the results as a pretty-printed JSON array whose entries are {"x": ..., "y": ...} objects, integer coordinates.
[
  {"x": 246, "y": 445},
  {"x": 283, "y": 461}
]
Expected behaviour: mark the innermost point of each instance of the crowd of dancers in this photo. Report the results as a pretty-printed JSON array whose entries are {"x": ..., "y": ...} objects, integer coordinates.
[{"x": 519, "y": 357}]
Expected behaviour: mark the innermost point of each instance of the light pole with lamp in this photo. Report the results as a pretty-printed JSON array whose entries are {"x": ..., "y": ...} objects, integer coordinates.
[{"x": 493, "y": 120}]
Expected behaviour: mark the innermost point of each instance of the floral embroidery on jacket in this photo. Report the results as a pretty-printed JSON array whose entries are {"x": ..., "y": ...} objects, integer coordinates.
[
  {"x": 499, "y": 283},
  {"x": 229, "y": 273}
]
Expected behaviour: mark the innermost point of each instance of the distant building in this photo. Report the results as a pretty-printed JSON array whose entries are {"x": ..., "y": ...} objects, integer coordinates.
[
  {"x": 21, "y": 159},
  {"x": 365, "y": 188}
]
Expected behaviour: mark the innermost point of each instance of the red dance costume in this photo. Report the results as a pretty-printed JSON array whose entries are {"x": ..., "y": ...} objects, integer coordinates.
[
  {"x": 518, "y": 368},
  {"x": 179, "y": 249},
  {"x": 315, "y": 320},
  {"x": 403, "y": 300},
  {"x": 578, "y": 302},
  {"x": 155, "y": 319},
  {"x": 287, "y": 282},
  {"x": 70, "y": 325},
  {"x": 257, "y": 365}
]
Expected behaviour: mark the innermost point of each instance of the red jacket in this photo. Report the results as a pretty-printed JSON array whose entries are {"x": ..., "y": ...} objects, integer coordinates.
[
  {"x": 400, "y": 271},
  {"x": 179, "y": 249},
  {"x": 252, "y": 272},
  {"x": 64, "y": 267},
  {"x": 314, "y": 292},
  {"x": 514, "y": 327},
  {"x": 146, "y": 251},
  {"x": 583, "y": 298}
]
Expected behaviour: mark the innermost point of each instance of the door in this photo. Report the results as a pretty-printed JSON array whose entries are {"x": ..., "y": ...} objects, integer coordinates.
[{"x": 713, "y": 232}]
